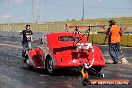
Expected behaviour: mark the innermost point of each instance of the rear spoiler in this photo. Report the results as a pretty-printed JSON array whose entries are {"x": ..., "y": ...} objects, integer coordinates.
[
  {"x": 102, "y": 27},
  {"x": 76, "y": 31}
]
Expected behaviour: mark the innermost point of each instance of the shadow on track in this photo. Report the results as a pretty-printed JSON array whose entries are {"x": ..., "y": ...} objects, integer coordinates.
[
  {"x": 72, "y": 72},
  {"x": 59, "y": 72}
]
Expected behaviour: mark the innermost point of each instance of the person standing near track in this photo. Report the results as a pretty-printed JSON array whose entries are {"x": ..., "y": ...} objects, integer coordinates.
[
  {"x": 27, "y": 39},
  {"x": 114, "y": 32}
]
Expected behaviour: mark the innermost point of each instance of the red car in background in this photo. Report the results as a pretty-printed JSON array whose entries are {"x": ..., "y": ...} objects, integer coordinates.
[{"x": 65, "y": 50}]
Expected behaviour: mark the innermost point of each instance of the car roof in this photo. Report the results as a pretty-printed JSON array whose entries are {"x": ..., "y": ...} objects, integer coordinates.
[
  {"x": 57, "y": 34},
  {"x": 55, "y": 43},
  {"x": 63, "y": 34}
]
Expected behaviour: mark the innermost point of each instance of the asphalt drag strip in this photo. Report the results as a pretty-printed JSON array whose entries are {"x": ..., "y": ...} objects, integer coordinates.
[{"x": 14, "y": 74}]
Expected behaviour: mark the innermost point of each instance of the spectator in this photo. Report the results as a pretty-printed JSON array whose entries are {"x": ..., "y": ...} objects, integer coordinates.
[
  {"x": 27, "y": 39},
  {"x": 114, "y": 32}
]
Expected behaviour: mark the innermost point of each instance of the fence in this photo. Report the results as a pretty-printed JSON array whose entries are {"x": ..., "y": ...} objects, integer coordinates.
[
  {"x": 56, "y": 26},
  {"x": 13, "y": 29}
]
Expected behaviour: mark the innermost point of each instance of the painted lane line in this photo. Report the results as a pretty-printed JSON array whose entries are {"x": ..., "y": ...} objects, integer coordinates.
[{"x": 14, "y": 46}]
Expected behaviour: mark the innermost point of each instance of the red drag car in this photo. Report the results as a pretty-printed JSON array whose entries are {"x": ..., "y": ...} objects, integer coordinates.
[{"x": 65, "y": 50}]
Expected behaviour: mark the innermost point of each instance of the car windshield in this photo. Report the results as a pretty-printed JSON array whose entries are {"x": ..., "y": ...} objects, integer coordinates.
[{"x": 69, "y": 38}]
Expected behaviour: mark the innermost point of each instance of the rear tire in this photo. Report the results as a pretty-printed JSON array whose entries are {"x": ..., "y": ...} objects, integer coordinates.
[
  {"x": 49, "y": 65},
  {"x": 97, "y": 68}
]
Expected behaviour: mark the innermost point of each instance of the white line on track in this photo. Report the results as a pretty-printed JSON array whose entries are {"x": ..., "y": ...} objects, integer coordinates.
[{"x": 14, "y": 46}]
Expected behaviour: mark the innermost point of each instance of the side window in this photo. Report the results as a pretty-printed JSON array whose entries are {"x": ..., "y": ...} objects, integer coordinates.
[
  {"x": 44, "y": 40},
  {"x": 69, "y": 38}
]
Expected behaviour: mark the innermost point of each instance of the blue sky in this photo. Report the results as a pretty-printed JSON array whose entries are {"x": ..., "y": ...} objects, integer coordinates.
[{"x": 61, "y": 10}]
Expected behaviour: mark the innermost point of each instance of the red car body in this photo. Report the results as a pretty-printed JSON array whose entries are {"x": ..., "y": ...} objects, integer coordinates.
[{"x": 59, "y": 50}]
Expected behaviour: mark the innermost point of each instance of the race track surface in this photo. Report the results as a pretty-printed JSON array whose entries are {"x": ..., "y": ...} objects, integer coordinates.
[{"x": 15, "y": 74}]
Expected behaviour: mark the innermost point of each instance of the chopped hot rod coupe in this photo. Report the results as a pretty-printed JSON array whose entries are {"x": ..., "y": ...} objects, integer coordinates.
[{"x": 65, "y": 50}]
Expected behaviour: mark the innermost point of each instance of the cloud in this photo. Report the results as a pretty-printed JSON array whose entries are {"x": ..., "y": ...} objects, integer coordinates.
[
  {"x": 99, "y": 1},
  {"x": 19, "y": 1},
  {"x": 5, "y": 16}
]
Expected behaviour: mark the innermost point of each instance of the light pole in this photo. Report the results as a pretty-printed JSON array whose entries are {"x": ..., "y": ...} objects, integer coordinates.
[
  {"x": 83, "y": 11},
  {"x": 44, "y": 6},
  {"x": 37, "y": 14},
  {"x": 8, "y": 15},
  {"x": 33, "y": 11}
]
